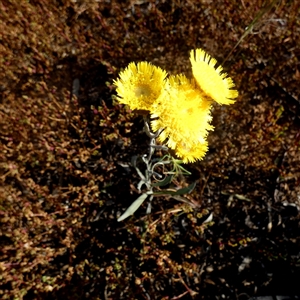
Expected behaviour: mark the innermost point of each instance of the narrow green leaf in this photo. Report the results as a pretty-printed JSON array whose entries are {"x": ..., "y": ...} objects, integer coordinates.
[
  {"x": 186, "y": 190},
  {"x": 182, "y": 191},
  {"x": 241, "y": 197},
  {"x": 163, "y": 182},
  {"x": 133, "y": 207}
]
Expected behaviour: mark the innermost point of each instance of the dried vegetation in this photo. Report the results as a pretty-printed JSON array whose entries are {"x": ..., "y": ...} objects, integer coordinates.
[{"x": 64, "y": 153}]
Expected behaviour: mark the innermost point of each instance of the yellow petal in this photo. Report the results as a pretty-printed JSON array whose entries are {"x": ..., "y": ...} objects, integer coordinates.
[
  {"x": 212, "y": 81},
  {"x": 190, "y": 152},
  {"x": 139, "y": 85}
]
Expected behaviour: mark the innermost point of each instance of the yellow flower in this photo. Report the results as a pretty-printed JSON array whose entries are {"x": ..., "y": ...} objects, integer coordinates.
[
  {"x": 184, "y": 115},
  {"x": 213, "y": 82},
  {"x": 140, "y": 85},
  {"x": 180, "y": 107},
  {"x": 190, "y": 152}
]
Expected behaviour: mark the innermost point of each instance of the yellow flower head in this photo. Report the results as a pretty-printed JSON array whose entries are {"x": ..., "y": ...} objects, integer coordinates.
[
  {"x": 213, "y": 82},
  {"x": 184, "y": 116},
  {"x": 190, "y": 152},
  {"x": 140, "y": 85}
]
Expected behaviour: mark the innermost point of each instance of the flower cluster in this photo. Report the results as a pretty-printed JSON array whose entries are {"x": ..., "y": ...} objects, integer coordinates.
[{"x": 180, "y": 107}]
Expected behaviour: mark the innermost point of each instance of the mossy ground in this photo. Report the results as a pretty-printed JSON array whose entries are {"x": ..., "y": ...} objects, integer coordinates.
[{"x": 63, "y": 180}]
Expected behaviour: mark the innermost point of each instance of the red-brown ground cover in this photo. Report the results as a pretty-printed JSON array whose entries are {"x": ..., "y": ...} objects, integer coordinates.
[{"x": 65, "y": 145}]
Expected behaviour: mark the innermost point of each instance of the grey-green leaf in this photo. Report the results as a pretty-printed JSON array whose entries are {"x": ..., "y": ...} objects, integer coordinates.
[{"x": 133, "y": 207}]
